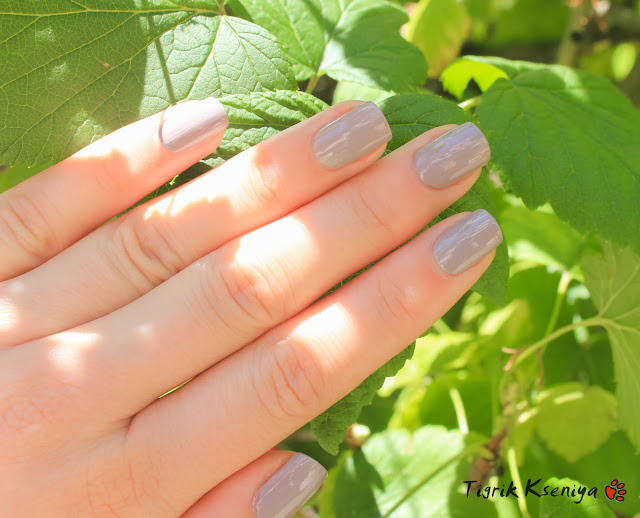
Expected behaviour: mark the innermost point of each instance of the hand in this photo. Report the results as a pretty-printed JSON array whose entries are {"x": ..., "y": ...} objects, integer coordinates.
[{"x": 218, "y": 281}]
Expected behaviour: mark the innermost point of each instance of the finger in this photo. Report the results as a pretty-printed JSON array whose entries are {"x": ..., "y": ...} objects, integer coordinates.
[
  {"x": 246, "y": 287},
  {"x": 274, "y": 486},
  {"x": 153, "y": 242},
  {"x": 256, "y": 397},
  {"x": 48, "y": 212}
]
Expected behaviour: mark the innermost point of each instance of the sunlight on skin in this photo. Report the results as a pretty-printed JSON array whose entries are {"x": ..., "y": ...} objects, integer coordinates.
[
  {"x": 8, "y": 311},
  {"x": 69, "y": 350}
]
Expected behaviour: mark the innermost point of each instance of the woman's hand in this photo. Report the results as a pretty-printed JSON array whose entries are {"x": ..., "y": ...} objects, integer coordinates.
[{"x": 215, "y": 281}]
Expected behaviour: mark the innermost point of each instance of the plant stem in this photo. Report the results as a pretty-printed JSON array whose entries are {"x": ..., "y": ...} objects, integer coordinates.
[
  {"x": 470, "y": 103},
  {"x": 531, "y": 349},
  {"x": 221, "y": 9},
  {"x": 563, "y": 285},
  {"x": 468, "y": 450},
  {"x": 458, "y": 406},
  {"x": 312, "y": 83},
  {"x": 515, "y": 475}
]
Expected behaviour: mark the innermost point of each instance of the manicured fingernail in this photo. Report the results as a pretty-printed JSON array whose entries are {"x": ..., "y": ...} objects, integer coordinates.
[
  {"x": 351, "y": 136},
  {"x": 466, "y": 242},
  {"x": 189, "y": 123},
  {"x": 452, "y": 156},
  {"x": 284, "y": 493}
]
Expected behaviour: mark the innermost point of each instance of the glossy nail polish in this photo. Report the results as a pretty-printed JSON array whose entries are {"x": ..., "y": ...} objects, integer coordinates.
[
  {"x": 187, "y": 124},
  {"x": 289, "y": 488},
  {"x": 466, "y": 242},
  {"x": 452, "y": 156},
  {"x": 351, "y": 136}
]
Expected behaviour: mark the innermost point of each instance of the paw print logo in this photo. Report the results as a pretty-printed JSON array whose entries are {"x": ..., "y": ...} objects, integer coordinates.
[{"x": 615, "y": 491}]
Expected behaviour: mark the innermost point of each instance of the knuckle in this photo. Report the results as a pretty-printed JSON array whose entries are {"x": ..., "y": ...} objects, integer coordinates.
[
  {"x": 251, "y": 292},
  {"x": 264, "y": 174},
  {"x": 370, "y": 215},
  {"x": 148, "y": 250},
  {"x": 23, "y": 217},
  {"x": 397, "y": 303},
  {"x": 293, "y": 380},
  {"x": 111, "y": 171}
]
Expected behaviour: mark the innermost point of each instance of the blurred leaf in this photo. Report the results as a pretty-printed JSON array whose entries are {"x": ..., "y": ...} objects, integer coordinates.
[
  {"x": 331, "y": 425},
  {"x": 410, "y": 115},
  {"x": 349, "y": 40},
  {"x": 530, "y": 21},
  {"x": 456, "y": 76},
  {"x": 588, "y": 415},
  {"x": 570, "y": 138},
  {"x": 564, "y": 507},
  {"x": 433, "y": 353},
  {"x": 623, "y": 60},
  {"x": 392, "y": 465},
  {"x": 439, "y": 28},
  {"x": 431, "y": 403},
  {"x": 541, "y": 237},
  {"x": 346, "y": 90},
  {"x": 613, "y": 278}
]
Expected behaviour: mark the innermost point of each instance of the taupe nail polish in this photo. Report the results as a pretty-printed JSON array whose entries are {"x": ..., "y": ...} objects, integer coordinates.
[
  {"x": 452, "y": 156},
  {"x": 351, "y": 136},
  {"x": 289, "y": 488},
  {"x": 189, "y": 123},
  {"x": 466, "y": 242}
]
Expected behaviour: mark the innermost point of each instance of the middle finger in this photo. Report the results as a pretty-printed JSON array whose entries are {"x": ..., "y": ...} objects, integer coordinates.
[{"x": 254, "y": 282}]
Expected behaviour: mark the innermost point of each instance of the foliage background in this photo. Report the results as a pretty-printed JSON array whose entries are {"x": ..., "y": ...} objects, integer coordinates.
[{"x": 533, "y": 374}]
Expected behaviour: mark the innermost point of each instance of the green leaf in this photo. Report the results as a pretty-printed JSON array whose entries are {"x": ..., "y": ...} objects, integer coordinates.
[
  {"x": 71, "y": 74},
  {"x": 331, "y": 425},
  {"x": 589, "y": 415},
  {"x": 541, "y": 237},
  {"x": 349, "y": 40},
  {"x": 439, "y": 28},
  {"x": 570, "y": 138},
  {"x": 256, "y": 116},
  {"x": 563, "y": 507},
  {"x": 410, "y": 115},
  {"x": 613, "y": 279},
  {"x": 400, "y": 474},
  {"x": 456, "y": 76}
]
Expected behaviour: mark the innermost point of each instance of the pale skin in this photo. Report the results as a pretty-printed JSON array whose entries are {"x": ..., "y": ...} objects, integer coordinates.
[{"x": 217, "y": 281}]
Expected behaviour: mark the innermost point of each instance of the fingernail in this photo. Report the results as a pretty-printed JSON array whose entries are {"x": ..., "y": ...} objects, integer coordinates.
[
  {"x": 452, "y": 156},
  {"x": 466, "y": 242},
  {"x": 285, "y": 492},
  {"x": 189, "y": 123},
  {"x": 351, "y": 136}
]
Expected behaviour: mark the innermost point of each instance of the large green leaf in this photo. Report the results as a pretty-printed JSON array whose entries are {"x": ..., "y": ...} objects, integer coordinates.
[
  {"x": 410, "y": 115},
  {"x": 399, "y": 474},
  {"x": 439, "y": 28},
  {"x": 349, "y": 40},
  {"x": 331, "y": 425},
  {"x": 72, "y": 73},
  {"x": 613, "y": 278},
  {"x": 570, "y": 138}
]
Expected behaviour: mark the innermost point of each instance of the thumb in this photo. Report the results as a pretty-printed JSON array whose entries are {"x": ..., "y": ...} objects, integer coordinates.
[{"x": 275, "y": 485}]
